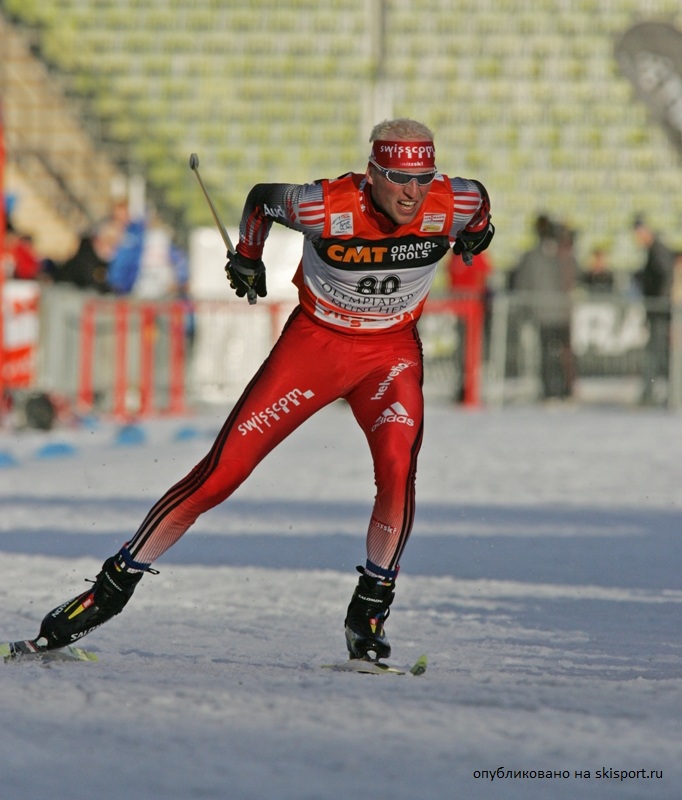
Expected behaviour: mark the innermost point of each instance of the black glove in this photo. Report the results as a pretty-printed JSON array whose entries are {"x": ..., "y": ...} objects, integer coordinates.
[
  {"x": 474, "y": 243},
  {"x": 246, "y": 276}
]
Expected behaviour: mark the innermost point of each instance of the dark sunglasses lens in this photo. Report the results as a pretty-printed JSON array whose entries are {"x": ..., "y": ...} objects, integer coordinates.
[
  {"x": 398, "y": 177},
  {"x": 403, "y": 178}
]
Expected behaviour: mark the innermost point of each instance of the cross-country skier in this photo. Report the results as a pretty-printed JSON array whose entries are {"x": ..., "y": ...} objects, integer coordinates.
[{"x": 371, "y": 246}]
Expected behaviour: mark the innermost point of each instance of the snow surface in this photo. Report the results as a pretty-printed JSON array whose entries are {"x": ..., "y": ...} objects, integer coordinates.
[{"x": 542, "y": 579}]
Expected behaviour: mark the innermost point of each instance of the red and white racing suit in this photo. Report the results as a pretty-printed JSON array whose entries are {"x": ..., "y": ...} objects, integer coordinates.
[{"x": 362, "y": 282}]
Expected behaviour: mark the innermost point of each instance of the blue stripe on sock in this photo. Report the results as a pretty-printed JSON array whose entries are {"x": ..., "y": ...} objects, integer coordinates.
[
  {"x": 130, "y": 562},
  {"x": 380, "y": 572}
]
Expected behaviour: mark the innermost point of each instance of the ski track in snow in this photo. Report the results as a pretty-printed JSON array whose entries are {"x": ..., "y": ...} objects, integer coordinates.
[{"x": 542, "y": 580}]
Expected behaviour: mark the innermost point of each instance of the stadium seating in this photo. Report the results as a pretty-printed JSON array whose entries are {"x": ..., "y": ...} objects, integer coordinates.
[{"x": 525, "y": 96}]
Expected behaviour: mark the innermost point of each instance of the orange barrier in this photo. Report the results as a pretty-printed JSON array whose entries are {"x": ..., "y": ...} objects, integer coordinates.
[
  {"x": 133, "y": 382},
  {"x": 470, "y": 308}
]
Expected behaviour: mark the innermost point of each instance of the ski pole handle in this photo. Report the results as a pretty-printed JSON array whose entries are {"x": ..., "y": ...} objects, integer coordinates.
[{"x": 194, "y": 166}]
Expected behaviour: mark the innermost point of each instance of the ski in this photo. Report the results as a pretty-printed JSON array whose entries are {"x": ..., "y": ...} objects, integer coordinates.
[
  {"x": 367, "y": 667},
  {"x": 29, "y": 649}
]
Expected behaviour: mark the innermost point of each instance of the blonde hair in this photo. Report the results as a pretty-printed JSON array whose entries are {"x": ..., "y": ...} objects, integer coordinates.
[{"x": 401, "y": 129}]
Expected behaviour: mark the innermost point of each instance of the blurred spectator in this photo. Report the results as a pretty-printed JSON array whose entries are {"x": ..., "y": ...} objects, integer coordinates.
[
  {"x": 20, "y": 260},
  {"x": 598, "y": 277},
  {"x": 470, "y": 282},
  {"x": 147, "y": 264},
  {"x": 546, "y": 275},
  {"x": 87, "y": 267},
  {"x": 111, "y": 230},
  {"x": 676, "y": 290},
  {"x": 163, "y": 269},
  {"x": 654, "y": 280},
  {"x": 124, "y": 263}
]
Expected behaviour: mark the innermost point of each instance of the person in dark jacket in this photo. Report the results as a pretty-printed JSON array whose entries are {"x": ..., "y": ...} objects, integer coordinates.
[
  {"x": 545, "y": 276},
  {"x": 86, "y": 268},
  {"x": 654, "y": 281}
]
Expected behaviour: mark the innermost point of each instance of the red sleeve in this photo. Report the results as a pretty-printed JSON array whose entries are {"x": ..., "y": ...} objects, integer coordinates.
[
  {"x": 297, "y": 206},
  {"x": 482, "y": 217}
]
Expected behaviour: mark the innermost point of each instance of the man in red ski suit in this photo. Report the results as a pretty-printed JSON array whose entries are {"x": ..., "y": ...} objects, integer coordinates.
[{"x": 371, "y": 246}]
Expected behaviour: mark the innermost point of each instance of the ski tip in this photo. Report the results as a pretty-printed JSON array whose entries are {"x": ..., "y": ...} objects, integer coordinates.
[
  {"x": 82, "y": 655},
  {"x": 27, "y": 649},
  {"x": 419, "y": 667},
  {"x": 364, "y": 666},
  {"x": 370, "y": 667}
]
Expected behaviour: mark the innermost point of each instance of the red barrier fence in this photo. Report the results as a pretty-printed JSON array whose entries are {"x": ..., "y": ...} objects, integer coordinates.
[
  {"x": 127, "y": 358},
  {"x": 134, "y": 358}
]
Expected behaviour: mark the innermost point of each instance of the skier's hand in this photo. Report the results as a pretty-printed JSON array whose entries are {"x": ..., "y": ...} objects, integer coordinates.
[
  {"x": 473, "y": 243},
  {"x": 246, "y": 276}
]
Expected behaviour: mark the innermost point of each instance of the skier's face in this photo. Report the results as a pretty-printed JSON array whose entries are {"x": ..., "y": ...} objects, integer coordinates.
[{"x": 401, "y": 202}]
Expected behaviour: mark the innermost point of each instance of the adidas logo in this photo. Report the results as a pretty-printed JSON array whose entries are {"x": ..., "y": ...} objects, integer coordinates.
[{"x": 396, "y": 412}]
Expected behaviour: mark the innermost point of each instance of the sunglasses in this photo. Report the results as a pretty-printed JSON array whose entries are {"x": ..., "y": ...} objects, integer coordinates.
[{"x": 403, "y": 178}]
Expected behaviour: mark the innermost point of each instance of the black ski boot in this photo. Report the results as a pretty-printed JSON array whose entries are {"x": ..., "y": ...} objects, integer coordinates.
[
  {"x": 367, "y": 612},
  {"x": 112, "y": 589}
]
